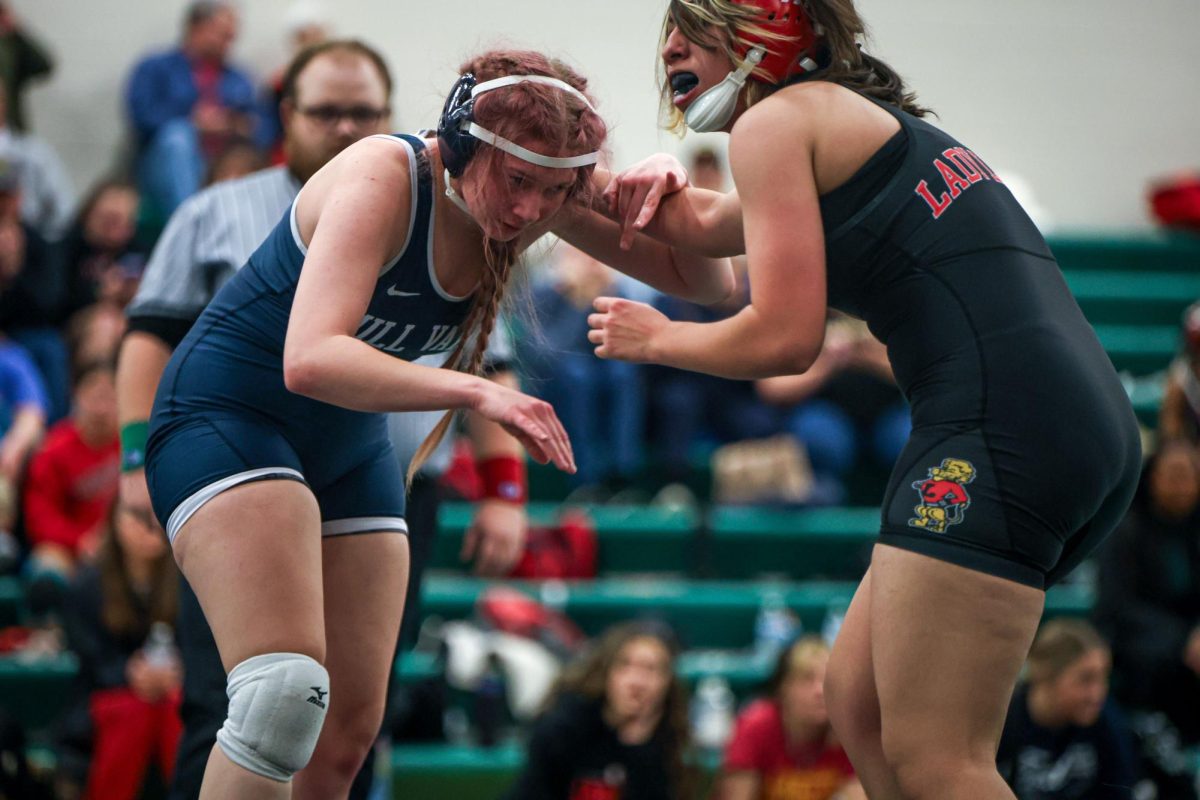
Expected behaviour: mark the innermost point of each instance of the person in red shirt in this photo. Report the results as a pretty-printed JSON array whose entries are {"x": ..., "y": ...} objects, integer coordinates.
[
  {"x": 73, "y": 477},
  {"x": 783, "y": 746}
]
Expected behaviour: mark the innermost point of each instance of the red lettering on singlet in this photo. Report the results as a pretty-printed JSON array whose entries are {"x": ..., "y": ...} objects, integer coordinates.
[
  {"x": 972, "y": 166},
  {"x": 938, "y": 206},
  {"x": 961, "y": 159},
  {"x": 988, "y": 172},
  {"x": 954, "y": 182}
]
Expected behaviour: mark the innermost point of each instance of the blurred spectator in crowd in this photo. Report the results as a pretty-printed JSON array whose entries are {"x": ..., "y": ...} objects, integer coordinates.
[
  {"x": 119, "y": 614},
  {"x": 31, "y": 296},
  {"x": 99, "y": 255},
  {"x": 187, "y": 103},
  {"x": 601, "y": 402},
  {"x": 22, "y": 423},
  {"x": 306, "y": 23},
  {"x": 73, "y": 477},
  {"x": 18, "y": 777},
  {"x": 22, "y": 58},
  {"x": 690, "y": 408},
  {"x": 47, "y": 196},
  {"x": 783, "y": 746},
  {"x": 615, "y": 724},
  {"x": 1179, "y": 414},
  {"x": 237, "y": 159},
  {"x": 1063, "y": 738},
  {"x": 706, "y": 171},
  {"x": 687, "y": 410},
  {"x": 846, "y": 408},
  {"x": 1149, "y": 591},
  {"x": 94, "y": 334}
]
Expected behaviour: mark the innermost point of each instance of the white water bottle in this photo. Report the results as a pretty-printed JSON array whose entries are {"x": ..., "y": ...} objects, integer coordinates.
[
  {"x": 775, "y": 627},
  {"x": 712, "y": 713},
  {"x": 159, "y": 649}
]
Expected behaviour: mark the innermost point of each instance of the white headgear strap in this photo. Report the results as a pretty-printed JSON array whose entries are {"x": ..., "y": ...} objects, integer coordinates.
[{"x": 484, "y": 135}]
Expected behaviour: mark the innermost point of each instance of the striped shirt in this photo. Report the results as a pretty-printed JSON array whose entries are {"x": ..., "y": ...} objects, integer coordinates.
[
  {"x": 207, "y": 239},
  {"x": 212, "y": 234}
]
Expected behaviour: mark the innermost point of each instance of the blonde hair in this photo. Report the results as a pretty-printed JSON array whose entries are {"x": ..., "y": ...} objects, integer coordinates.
[
  {"x": 1059, "y": 644},
  {"x": 801, "y": 656},
  {"x": 730, "y": 26},
  {"x": 715, "y": 24}
]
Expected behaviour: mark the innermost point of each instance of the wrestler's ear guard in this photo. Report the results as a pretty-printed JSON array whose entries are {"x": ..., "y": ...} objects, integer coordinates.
[{"x": 455, "y": 144}]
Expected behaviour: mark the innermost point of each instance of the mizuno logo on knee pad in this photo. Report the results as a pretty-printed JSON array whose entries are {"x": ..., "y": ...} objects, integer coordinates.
[{"x": 277, "y": 706}]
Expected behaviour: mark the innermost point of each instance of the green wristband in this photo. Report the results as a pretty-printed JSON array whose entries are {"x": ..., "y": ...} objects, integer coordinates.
[{"x": 133, "y": 445}]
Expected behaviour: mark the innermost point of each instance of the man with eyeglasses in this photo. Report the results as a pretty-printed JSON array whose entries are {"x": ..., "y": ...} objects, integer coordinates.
[{"x": 332, "y": 95}]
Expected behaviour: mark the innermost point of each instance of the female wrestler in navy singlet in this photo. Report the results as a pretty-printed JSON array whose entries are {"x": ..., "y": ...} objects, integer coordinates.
[
  {"x": 268, "y": 459},
  {"x": 1024, "y": 452}
]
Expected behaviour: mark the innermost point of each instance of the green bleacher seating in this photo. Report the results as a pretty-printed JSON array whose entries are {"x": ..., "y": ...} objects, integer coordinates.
[
  {"x": 1133, "y": 289},
  {"x": 36, "y": 693},
  {"x": 463, "y": 772},
  {"x": 1140, "y": 349},
  {"x": 1157, "y": 251},
  {"x": 1134, "y": 296},
  {"x": 630, "y": 538},
  {"x": 805, "y": 543},
  {"x": 12, "y": 595},
  {"x": 706, "y": 614}
]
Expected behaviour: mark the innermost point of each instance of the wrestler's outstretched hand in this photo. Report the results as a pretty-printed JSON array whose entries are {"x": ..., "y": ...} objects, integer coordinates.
[
  {"x": 531, "y": 421},
  {"x": 626, "y": 329},
  {"x": 633, "y": 195}
]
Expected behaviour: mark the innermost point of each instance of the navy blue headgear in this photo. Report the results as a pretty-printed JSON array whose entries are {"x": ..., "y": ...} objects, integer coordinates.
[
  {"x": 459, "y": 135},
  {"x": 455, "y": 144}
]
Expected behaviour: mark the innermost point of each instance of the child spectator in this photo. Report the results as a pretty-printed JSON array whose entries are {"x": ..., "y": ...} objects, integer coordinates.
[
  {"x": 73, "y": 477},
  {"x": 94, "y": 334},
  {"x": 129, "y": 677},
  {"x": 1149, "y": 591},
  {"x": 99, "y": 250},
  {"x": 783, "y": 746},
  {"x": 615, "y": 726},
  {"x": 1063, "y": 738}
]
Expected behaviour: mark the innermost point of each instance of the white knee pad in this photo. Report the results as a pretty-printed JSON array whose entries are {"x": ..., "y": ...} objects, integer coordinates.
[{"x": 277, "y": 704}]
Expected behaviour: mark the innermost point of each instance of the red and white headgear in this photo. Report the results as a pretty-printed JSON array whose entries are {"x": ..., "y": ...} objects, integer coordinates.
[
  {"x": 781, "y": 58},
  {"x": 785, "y": 57}
]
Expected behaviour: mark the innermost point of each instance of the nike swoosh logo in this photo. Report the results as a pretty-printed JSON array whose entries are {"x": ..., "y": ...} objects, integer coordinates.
[{"x": 394, "y": 292}]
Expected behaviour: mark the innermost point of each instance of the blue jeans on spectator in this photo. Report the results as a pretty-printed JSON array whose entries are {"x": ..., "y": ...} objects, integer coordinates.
[
  {"x": 171, "y": 165},
  {"x": 49, "y": 352},
  {"x": 602, "y": 407},
  {"x": 690, "y": 408},
  {"x": 834, "y": 441}
]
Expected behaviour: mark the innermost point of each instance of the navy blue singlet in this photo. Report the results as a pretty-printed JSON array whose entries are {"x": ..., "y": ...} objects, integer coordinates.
[{"x": 223, "y": 415}]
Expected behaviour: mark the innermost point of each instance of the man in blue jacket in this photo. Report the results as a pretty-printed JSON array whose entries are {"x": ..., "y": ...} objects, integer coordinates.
[{"x": 187, "y": 103}]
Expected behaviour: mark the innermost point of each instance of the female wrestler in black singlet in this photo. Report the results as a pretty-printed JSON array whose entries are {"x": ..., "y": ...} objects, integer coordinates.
[{"x": 1024, "y": 452}]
